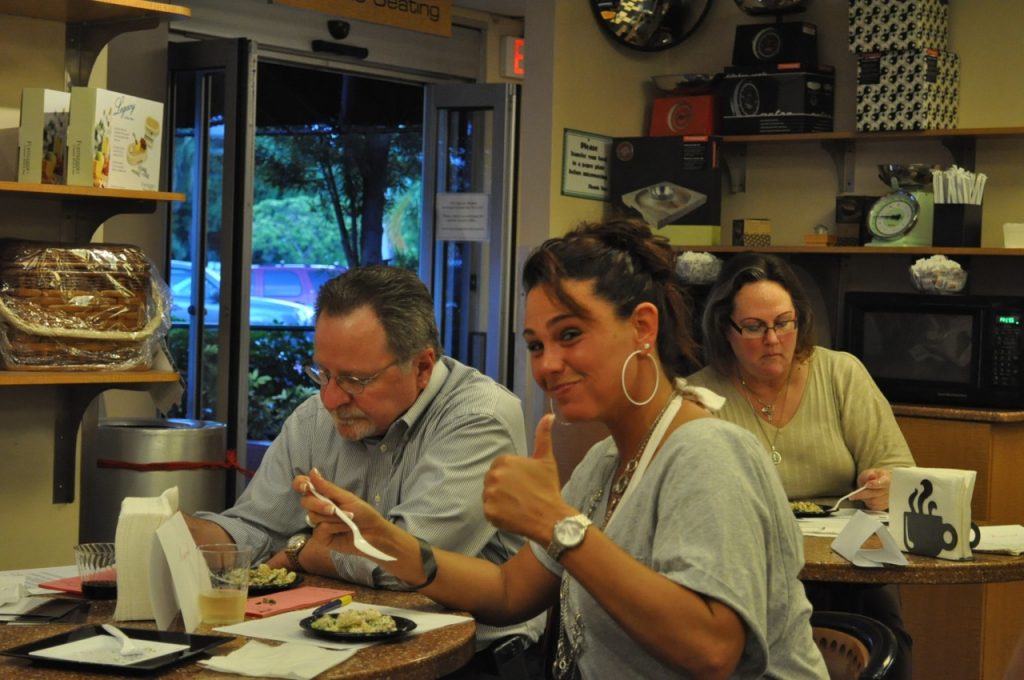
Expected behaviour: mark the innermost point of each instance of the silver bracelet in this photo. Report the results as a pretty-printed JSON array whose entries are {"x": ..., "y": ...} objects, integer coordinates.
[{"x": 429, "y": 564}]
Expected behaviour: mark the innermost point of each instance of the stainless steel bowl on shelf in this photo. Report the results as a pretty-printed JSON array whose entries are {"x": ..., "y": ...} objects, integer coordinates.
[{"x": 905, "y": 175}]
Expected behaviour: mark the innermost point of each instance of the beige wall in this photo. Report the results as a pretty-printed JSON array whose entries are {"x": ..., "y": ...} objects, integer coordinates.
[
  {"x": 602, "y": 88},
  {"x": 33, "y": 54}
]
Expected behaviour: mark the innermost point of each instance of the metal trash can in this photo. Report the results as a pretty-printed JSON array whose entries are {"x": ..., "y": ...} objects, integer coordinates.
[{"x": 144, "y": 457}]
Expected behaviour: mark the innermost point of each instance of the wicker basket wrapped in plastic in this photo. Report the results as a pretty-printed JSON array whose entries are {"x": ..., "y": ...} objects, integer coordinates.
[{"x": 79, "y": 308}]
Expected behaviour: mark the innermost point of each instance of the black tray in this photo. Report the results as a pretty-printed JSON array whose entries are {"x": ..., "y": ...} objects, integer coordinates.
[{"x": 198, "y": 644}]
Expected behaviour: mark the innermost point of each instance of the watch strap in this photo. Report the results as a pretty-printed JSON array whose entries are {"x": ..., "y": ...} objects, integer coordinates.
[{"x": 429, "y": 563}]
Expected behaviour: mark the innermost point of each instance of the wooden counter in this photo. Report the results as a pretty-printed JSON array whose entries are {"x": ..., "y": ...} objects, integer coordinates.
[{"x": 416, "y": 657}]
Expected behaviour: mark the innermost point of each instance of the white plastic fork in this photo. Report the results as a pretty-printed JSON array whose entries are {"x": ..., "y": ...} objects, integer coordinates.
[
  {"x": 128, "y": 646},
  {"x": 836, "y": 505},
  {"x": 357, "y": 537}
]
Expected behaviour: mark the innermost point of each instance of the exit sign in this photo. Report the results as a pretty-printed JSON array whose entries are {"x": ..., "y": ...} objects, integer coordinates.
[{"x": 512, "y": 64}]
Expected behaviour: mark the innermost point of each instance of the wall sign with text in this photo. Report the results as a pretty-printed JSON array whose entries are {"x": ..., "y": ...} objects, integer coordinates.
[
  {"x": 585, "y": 165},
  {"x": 425, "y": 16}
]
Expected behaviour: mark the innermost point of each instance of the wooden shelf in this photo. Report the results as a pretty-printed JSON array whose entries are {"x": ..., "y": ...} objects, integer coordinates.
[
  {"x": 105, "y": 378},
  {"x": 855, "y": 250},
  {"x": 61, "y": 191},
  {"x": 83, "y": 11},
  {"x": 906, "y": 135},
  {"x": 960, "y": 142}
]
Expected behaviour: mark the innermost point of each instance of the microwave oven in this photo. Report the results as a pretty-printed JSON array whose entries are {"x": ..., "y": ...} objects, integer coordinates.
[{"x": 961, "y": 350}]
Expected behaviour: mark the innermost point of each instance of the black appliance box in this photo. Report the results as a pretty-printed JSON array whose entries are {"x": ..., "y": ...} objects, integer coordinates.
[
  {"x": 775, "y": 43},
  {"x": 667, "y": 180},
  {"x": 776, "y": 98}
]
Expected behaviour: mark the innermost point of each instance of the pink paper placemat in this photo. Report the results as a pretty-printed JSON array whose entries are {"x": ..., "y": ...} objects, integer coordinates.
[{"x": 290, "y": 600}]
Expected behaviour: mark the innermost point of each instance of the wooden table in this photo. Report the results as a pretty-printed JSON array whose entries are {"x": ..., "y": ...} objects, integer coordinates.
[
  {"x": 945, "y": 607},
  {"x": 821, "y": 563},
  {"x": 417, "y": 657}
]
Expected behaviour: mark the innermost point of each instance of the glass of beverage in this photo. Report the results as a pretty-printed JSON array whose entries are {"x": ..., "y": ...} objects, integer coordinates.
[
  {"x": 97, "y": 570},
  {"x": 222, "y": 597}
]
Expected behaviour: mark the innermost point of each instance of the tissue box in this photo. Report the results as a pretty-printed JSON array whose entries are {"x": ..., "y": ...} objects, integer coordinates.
[
  {"x": 886, "y": 25},
  {"x": 908, "y": 90},
  {"x": 667, "y": 180},
  {"x": 779, "y": 98},
  {"x": 930, "y": 512},
  {"x": 114, "y": 140},
  {"x": 42, "y": 135}
]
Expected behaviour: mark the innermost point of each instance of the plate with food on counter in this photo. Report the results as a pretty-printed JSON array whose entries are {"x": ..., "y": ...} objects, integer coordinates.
[
  {"x": 264, "y": 579},
  {"x": 364, "y": 624},
  {"x": 810, "y": 509}
]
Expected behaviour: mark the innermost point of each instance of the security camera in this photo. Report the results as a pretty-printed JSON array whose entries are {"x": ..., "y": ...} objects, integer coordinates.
[{"x": 338, "y": 28}]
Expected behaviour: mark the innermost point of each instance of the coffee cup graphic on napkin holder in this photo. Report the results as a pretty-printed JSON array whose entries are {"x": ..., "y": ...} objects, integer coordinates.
[{"x": 930, "y": 512}]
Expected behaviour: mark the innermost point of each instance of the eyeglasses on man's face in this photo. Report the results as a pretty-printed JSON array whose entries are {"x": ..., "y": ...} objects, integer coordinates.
[
  {"x": 348, "y": 383},
  {"x": 755, "y": 330}
]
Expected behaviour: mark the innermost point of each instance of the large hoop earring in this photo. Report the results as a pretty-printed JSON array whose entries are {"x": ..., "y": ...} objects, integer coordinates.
[
  {"x": 551, "y": 404},
  {"x": 657, "y": 377}
]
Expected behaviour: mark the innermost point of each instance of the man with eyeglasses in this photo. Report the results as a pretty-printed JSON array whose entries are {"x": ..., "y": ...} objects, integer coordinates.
[{"x": 409, "y": 430}]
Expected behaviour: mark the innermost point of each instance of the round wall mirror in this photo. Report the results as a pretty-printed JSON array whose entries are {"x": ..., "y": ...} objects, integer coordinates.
[{"x": 650, "y": 25}]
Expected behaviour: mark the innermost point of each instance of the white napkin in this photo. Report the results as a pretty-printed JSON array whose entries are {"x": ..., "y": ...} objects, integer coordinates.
[
  {"x": 12, "y": 589},
  {"x": 259, "y": 660},
  {"x": 850, "y": 540},
  {"x": 133, "y": 547}
]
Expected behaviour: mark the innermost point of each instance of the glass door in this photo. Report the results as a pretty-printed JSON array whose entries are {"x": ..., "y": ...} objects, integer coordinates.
[
  {"x": 210, "y": 100},
  {"x": 470, "y": 135}
]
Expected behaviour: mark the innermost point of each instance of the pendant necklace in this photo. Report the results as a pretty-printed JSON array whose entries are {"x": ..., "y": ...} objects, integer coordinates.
[
  {"x": 769, "y": 413},
  {"x": 767, "y": 408}
]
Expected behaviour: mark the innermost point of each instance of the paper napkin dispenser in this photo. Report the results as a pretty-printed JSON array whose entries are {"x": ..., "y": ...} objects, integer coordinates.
[{"x": 930, "y": 512}]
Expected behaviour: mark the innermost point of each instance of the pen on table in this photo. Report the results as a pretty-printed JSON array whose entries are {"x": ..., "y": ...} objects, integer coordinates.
[{"x": 336, "y": 603}]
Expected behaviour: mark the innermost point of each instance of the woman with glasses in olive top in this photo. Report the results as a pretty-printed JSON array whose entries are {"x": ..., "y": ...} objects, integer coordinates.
[{"x": 822, "y": 420}]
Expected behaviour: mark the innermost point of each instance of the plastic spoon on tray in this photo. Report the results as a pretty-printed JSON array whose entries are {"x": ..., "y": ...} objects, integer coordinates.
[{"x": 357, "y": 537}]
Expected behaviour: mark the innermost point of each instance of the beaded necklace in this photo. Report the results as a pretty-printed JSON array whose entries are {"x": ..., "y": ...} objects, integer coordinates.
[{"x": 622, "y": 483}]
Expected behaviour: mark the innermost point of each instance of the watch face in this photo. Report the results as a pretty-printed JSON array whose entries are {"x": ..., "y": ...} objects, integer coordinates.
[
  {"x": 893, "y": 215},
  {"x": 569, "y": 532}
]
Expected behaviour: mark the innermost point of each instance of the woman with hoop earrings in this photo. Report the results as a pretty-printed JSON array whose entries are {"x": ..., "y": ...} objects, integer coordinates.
[{"x": 671, "y": 551}]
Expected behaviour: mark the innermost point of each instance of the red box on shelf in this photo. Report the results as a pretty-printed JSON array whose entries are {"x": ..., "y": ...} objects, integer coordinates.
[{"x": 683, "y": 115}]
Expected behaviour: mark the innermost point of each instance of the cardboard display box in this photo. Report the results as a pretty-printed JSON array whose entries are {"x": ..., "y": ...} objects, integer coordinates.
[
  {"x": 114, "y": 140},
  {"x": 775, "y": 43},
  {"x": 908, "y": 90},
  {"x": 42, "y": 135},
  {"x": 776, "y": 98},
  {"x": 752, "y": 232},
  {"x": 887, "y": 25},
  {"x": 667, "y": 180},
  {"x": 683, "y": 115}
]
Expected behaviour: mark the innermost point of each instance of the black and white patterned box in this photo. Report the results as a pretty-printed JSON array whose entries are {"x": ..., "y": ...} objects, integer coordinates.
[
  {"x": 907, "y": 90},
  {"x": 885, "y": 25}
]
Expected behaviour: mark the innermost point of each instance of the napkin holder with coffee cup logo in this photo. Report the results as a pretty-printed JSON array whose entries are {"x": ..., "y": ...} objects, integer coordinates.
[{"x": 930, "y": 512}]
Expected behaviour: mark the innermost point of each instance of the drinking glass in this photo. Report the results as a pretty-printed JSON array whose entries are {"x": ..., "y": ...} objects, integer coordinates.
[
  {"x": 97, "y": 570},
  {"x": 222, "y": 596}
]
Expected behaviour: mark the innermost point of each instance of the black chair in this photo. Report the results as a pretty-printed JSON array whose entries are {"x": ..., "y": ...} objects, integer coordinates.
[{"x": 855, "y": 647}]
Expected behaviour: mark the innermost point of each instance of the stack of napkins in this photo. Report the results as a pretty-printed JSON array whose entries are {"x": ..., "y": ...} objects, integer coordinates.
[
  {"x": 930, "y": 511},
  {"x": 133, "y": 541}
]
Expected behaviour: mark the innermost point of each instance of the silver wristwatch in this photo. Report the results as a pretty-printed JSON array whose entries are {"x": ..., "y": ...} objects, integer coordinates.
[
  {"x": 568, "y": 533},
  {"x": 295, "y": 545}
]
